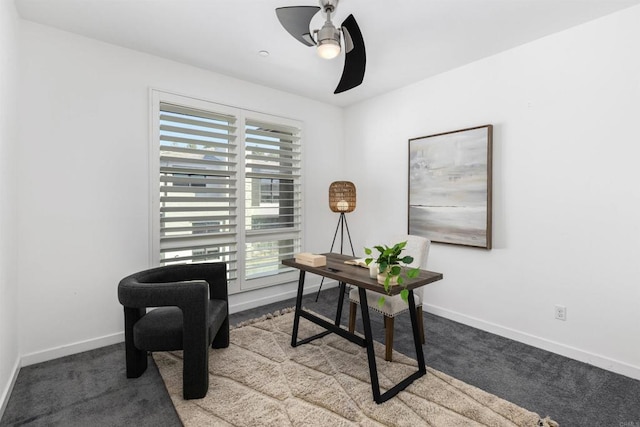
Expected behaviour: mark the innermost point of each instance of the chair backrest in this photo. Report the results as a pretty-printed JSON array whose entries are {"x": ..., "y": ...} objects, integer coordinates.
[
  {"x": 170, "y": 285},
  {"x": 418, "y": 248}
]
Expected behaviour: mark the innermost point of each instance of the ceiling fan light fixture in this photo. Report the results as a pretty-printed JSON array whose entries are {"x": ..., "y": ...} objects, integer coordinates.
[
  {"x": 328, "y": 49},
  {"x": 328, "y": 41}
]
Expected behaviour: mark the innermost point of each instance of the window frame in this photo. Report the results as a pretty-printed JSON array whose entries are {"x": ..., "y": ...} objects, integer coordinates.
[{"x": 240, "y": 283}]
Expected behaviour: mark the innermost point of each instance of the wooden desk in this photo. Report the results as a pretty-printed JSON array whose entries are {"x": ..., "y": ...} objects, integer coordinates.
[{"x": 357, "y": 276}]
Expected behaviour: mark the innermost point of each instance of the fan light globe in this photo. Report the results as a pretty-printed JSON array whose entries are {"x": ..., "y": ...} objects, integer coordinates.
[{"x": 328, "y": 49}]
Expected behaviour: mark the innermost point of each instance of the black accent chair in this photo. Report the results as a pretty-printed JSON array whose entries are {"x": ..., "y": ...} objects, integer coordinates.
[{"x": 193, "y": 313}]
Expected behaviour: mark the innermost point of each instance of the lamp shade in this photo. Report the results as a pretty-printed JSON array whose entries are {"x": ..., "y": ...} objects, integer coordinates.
[{"x": 342, "y": 196}]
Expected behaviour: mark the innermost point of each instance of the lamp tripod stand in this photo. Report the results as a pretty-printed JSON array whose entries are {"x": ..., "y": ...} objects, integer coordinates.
[
  {"x": 342, "y": 199},
  {"x": 342, "y": 224}
]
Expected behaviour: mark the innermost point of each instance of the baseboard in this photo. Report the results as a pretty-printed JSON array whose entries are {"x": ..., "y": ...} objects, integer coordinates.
[
  {"x": 538, "y": 342},
  {"x": 67, "y": 350},
  {"x": 258, "y": 300},
  {"x": 79, "y": 347},
  {"x": 6, "y": 393}
]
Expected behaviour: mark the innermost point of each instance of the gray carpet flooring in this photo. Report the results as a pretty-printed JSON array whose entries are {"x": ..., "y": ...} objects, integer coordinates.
[{"x": 90, "y": 389}]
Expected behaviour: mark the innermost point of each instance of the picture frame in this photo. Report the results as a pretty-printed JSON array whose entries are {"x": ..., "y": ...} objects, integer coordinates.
[{"x": 450, "y": 180}]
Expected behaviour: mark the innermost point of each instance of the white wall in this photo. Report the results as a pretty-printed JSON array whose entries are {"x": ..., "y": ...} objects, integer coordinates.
[
  {"x": 566, "y": 197},
  {"x": 84, "y": 211},
  {"x": 9, "y": 354},
  {"x": 566, "y": 188}
]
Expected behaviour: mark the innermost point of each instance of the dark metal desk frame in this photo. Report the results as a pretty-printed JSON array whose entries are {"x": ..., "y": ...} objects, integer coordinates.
[{"x": 358, "y": 276}]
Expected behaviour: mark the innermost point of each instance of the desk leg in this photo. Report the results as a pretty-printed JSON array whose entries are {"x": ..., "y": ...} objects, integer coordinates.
[
  {"x": 343, "y": 285},
  {"x": 368, "y": 337},
  {"x": 416, "y": 334},
  {"x": 296, "y": 316}
]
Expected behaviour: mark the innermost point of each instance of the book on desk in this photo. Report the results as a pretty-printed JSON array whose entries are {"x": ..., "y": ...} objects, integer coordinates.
[{"x": 360, "y": 262}]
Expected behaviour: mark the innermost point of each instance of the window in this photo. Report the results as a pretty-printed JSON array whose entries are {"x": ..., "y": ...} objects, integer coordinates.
[
  {"x": 227, "y": 188},
  {"x": 272, "y": 213}
]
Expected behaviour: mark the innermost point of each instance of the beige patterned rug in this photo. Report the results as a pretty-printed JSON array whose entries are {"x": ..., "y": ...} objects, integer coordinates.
[{"x": 260, "y": 380}]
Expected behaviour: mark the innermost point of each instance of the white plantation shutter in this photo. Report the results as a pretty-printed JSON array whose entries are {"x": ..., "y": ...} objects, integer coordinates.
[
  {"x": 272, "y": 197},
  {"x": 204, "y": 155},
  {"x": 198, "y": 186}
]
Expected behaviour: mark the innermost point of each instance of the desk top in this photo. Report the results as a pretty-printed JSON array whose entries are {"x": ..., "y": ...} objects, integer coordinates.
[{"x": 354, "y": 275}]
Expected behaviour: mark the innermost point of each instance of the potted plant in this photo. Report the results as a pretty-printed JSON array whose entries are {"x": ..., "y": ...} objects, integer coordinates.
[{"x": 392, "y": 267}]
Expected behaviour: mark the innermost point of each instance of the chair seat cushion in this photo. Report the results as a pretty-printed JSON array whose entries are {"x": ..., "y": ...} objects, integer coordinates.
[
  {"x": 161, "y": 329},
  {"x": 393, "y": 304}
]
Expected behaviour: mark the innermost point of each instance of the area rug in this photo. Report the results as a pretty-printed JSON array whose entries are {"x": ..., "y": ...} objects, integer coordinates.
[{"x": 260, "y": 380}]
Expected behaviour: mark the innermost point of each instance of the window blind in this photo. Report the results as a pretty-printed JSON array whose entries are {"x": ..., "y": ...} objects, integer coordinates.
[
  {"x": 198, "y": 186},
  {"x": 272, "y": 196},
  {"x": 207, "y": 156}
]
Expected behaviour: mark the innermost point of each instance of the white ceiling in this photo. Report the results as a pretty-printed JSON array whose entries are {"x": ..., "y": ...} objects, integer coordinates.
[{"x": 406, "y": 40}]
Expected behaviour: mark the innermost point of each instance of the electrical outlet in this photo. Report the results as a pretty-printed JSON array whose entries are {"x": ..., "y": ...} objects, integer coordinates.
[{"x": 561, "y": 312}]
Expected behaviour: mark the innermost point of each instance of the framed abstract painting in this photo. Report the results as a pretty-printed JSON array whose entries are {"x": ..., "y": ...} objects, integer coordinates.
[{"x": 450, "y": 186}]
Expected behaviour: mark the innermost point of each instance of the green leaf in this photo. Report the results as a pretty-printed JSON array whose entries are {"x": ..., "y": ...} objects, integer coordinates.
[
  {"x": 404, "y": 294},
  {"x": 380, "y": 302},
  {"x": 407, "y": 259},
  {"x": 367, "y": 251},
  {"x": 395, "y": 270},
  {"x": 413, "y": 273},
  {"x": 400, "y": 280}
]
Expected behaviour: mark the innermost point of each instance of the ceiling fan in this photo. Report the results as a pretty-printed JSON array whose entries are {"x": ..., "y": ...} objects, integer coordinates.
[{"x": 297, "y": 19}]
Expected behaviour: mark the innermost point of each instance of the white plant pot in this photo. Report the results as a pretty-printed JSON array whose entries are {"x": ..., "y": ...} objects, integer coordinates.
[{"x": 383, "y": 276}]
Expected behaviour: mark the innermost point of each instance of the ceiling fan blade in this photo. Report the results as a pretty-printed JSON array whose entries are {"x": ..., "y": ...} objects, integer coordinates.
[
  {"x": 355, "y": 59},
  {"x": 296, "y": 20}
]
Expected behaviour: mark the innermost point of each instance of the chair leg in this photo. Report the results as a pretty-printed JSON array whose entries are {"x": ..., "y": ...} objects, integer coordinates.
[
  {"x": 195, "y": 371},
  {"x": 420, "y": 323},
  {"x": 388, "y": 338},
  {"x": 136, "y": 359},
  {"x": 222, "y": 337},
  {"x": 352, "y": 316}
]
